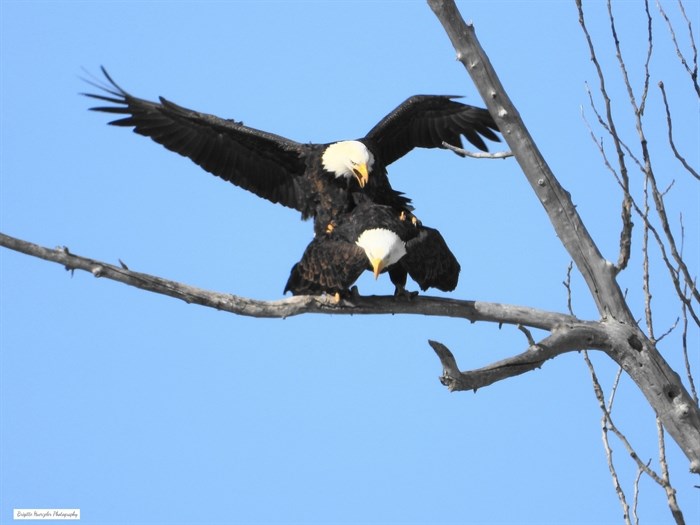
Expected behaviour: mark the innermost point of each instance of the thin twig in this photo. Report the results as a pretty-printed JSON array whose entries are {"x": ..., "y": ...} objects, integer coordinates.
[
  {"x": 684, "y": 335},
  {"x": 613, "y": 389},
  {"x": 567, "y": 285},
  {"x": 665, "y": 476},
  {"x": 598, "y": 390},
  {"x": 477, "y": 154},
  {"x": 666, "y": 227},
  {"x": 649, "y": 172},
  {"x": 669, "y": 125},
  {"x": 668, "y": 331},
  {"x": 635, "y": 500},
  {"x": 528, "y": 334},
  {"x": 638, "y": 107},
  {"x": 599, "y": 141},
  {"x": 674, "y": 272},
  {"x": 694, "y": 71},
  {"x": 609, "y": 125},
  {"x": 684, "y": 341},
  {"x": 645, "y": 166},
  {"x": 610, "y": 425},
  {"x": 645, "y": 264}
]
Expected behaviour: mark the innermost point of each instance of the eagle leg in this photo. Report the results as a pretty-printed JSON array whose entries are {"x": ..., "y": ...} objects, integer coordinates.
[{"x": 401, "y": 292}]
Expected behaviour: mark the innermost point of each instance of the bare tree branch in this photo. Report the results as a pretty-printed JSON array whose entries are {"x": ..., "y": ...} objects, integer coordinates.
[
  {"x": 422, "y": 305},
  {"x": 646, "y": 287},
  {"x": 567, "y": 285},
  {"x": 605, "y": 426},
  {"x": 609, "y": 125},
  {"x": 644, "y": 166},
  {"x": 638, "y": 111},
  {"x": 528, "y": 334},
  {"x": 627, "y": 345},
  {"x": 627, "y": 201},
  {"x": 666, "y": 227},
  {"x": 609, "y": 425},
  {"x": 477, "y": 154},
  {"x": 694, "y": 71},
  {"x": 665, "y": 477},
  {"x": 684, "y": 339},
  {"x": 564, "y": 338},
  {"x": 596, "y": 271},
  {"x": 674, "y": 272},
  {"x": 638, "y": 107},
  {"x": 669, "y": 125}
]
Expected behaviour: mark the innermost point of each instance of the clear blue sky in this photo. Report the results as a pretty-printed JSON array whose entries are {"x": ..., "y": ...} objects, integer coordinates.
[{"x": 137, "y": 408}]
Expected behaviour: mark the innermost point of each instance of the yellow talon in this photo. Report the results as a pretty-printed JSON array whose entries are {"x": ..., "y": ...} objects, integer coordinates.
[
  {"x": 402, "y": 216},
  {"x": 336, "y": 298},
  {"x": 330, "y": 227}
]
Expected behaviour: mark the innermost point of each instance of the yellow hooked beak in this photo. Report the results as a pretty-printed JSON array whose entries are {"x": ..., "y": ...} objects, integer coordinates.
[
  {"x": 361, "y": 174},
  {"x": 377, "y": 267}
]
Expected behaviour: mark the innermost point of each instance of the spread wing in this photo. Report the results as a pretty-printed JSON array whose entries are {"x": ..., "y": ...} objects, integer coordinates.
[
  {"x": 430, "y": 262},
  {"x": 329, "y": 264},
  {"x": 426, "y": 121},
  {"x": 268, "y": 165}
]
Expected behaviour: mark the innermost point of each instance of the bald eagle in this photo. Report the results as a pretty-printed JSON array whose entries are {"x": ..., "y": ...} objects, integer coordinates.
[
  {"x": 374, "y": 237},
  {"x": 316, "y": 179}
]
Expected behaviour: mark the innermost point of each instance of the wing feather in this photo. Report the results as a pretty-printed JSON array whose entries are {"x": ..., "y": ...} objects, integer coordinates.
[
  {"x": 426, "y": 121},
  {"x": 430, "y": 262},
  {"x": 266, "y": 164}
]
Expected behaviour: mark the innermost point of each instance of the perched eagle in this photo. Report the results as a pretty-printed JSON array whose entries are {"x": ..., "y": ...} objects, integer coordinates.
[
  {"x": 316, "y": 179},
  {"x": 374, "y": 237}
]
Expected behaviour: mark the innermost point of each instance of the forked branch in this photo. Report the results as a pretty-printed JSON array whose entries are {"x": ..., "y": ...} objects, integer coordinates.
[{"x": 564, "y": 338}]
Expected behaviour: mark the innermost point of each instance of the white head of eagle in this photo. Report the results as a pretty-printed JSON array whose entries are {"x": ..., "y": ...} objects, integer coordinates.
[
  {"x": 349, "y": 158},
  {"x": 382, "y": 247}
]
